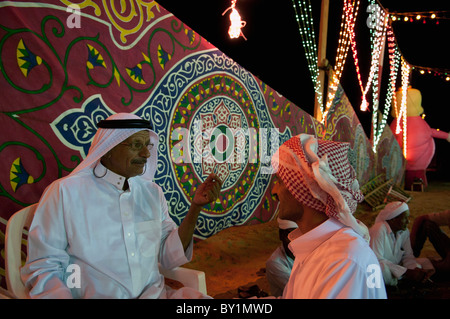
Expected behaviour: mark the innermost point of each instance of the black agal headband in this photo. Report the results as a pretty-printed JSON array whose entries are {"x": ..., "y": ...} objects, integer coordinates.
[{"x": 121, "y": 124}]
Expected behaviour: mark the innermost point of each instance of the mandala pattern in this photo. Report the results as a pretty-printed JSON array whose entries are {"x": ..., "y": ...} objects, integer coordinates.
[{"x": 215, "y": 125}]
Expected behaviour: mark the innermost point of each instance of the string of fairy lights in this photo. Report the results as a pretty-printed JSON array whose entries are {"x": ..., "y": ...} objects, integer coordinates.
[
  {"x": 378, "y": 34},
  {"x": 380, "y": 22},
  {"x": 304, "y": 17},
  {"x": 348, "y": 20},
  {"x": 422, "y": 16},
  {"x": 394, "y": 62},
  {"x": 406, "y": 69}
]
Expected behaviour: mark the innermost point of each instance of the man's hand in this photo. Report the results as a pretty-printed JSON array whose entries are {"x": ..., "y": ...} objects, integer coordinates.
[
  {"x": 418, "y": 275},
  {"x": 208, "y": 192}
]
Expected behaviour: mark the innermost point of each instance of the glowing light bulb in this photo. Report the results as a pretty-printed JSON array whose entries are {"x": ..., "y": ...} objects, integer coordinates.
[{"x": 236, "y": 23}]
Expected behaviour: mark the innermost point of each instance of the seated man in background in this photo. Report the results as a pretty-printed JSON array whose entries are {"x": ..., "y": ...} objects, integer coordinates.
[
  {"x": 279, "y": 265},
  {"x": 318, "y": 190},
  {"x": 110, "y": 219},
  {"x": 389, "y": 239},
  {"x": 429, "y": 226}
]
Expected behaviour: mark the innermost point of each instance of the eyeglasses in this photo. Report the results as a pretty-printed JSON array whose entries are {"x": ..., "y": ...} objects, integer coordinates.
[{"x": 138, "y": 146}]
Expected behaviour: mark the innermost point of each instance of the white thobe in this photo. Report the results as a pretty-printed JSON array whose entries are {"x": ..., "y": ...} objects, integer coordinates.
[
  {"x": 393, "y": 251},
  {"x": 332, "y": 261},
  {"x": 278, "y": 270},
  {"x": 115, "y": 237}
]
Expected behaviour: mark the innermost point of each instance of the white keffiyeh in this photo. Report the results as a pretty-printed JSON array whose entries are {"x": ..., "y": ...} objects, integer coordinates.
[
  {"x": 391, "y": 211},
  {"x": 106, "y": 139}
]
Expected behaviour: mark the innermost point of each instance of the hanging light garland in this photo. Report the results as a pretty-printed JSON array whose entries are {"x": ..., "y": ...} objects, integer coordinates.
[
  {"x": 422, "y": 16},
  {"x": 377, "y": 35},
  {"x": 394, "y": 62},
  {"x": 442, "y": 73},
  {"x": 304, "y": 18},
  {"x": 380, "y": 30},
  {"x": 406, "y": 69},
  {"x": 347, "y": 23},
  {"x": 355, "y": 55}
]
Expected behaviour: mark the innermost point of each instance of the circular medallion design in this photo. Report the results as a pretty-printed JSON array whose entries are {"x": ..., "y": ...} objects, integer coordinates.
[
  {"x": 211, "y": 116},
  {"x": 219, "y": 113}
]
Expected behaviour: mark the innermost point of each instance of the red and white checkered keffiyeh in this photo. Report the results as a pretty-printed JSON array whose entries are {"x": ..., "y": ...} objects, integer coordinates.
[{"x": 319, "y": 175}]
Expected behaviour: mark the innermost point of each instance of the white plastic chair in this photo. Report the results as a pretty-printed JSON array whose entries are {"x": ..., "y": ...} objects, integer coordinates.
[
  {"x": 5, "y": 294},
  {"x": 13, "y": 250},
  {"x": 188, "y": 277},
  {"x": 13, "y": 258}
]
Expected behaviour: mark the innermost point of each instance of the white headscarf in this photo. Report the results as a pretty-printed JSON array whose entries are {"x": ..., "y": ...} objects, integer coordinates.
[
  {"x": 392, "y": 210},
  {"x": 106, "y": 139}
]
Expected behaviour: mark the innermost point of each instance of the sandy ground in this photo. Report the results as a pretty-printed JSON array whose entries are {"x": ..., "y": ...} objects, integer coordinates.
[{"x": 236, "y": 256}]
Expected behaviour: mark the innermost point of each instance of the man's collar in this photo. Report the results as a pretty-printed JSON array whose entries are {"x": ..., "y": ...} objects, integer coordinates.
[
  {"x": 115, "y": 179},
  {"x": 304, "y": 244}
]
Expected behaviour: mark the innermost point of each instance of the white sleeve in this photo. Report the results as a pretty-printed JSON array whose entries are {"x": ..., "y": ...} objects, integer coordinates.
[
  {"x": 172, "y": 254},
  {"x": 391, "y": 271},
  {"x": 47, "y": 260}
]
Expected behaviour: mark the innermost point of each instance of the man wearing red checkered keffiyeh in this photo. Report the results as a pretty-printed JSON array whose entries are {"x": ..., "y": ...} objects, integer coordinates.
[{"x": 318, "y": 190}]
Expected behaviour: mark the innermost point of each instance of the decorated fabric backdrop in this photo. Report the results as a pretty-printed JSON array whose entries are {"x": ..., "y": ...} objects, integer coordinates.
[{"x": 65, "y": 67}]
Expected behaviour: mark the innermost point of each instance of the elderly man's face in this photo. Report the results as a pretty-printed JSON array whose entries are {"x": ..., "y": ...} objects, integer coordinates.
[
  {"x": 400, "y": 222},
  {"x": 289, "y": 208},
  {"x": 124, "y": 159}
]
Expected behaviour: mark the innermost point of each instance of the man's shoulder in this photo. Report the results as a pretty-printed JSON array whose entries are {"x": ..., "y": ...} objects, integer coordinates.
[
  {"x": 348, "y": 237},
  {"x": 378, "y": 228},
  {"x": 81, "y": 178},
  {"x": 346, "y": 244},
  {"x": 68, "y": 180}
]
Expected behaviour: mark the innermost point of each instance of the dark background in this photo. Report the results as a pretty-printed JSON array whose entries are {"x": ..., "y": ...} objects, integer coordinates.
[{"x": 274, "y": 53}]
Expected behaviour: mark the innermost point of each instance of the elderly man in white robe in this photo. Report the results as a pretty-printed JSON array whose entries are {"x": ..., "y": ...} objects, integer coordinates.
[
  {"x": 317, "y": 189},
  {"x": 390, "y": 240},
  {"x": 110, "y": 219}
]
